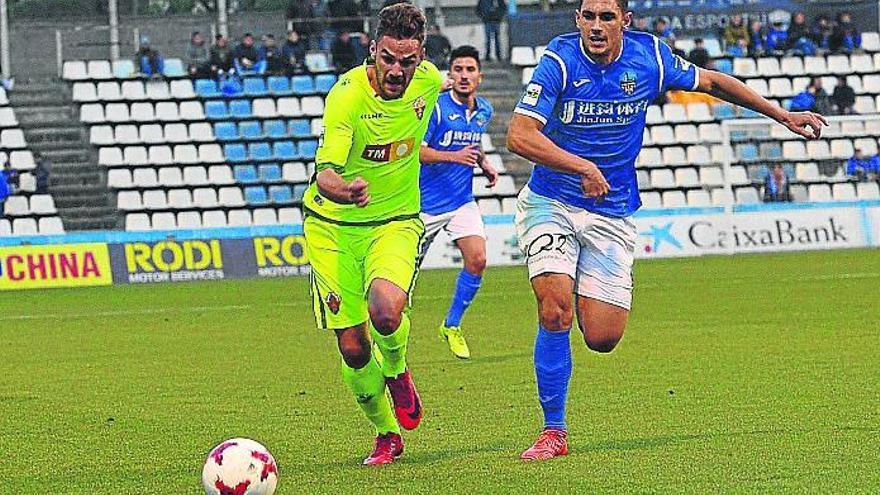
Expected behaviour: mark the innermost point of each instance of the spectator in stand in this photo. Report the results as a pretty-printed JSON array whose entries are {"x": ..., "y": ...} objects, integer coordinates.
[
  {"x": 270, "y": 52},
  {"x": 740, "y": 49},
  {"x": 437, "y": 47},
  {"x": 843, "y": 98},
  {"x": 799, "y": 38},
  {"x": 777, "y": 37},
  {"x": 247, "y": 58},
  {"x": 734, "y": 30},
  {"x": 757, "y": 39},
  {"x": 641, "y": 24},
  {"x": 197, "y": 58},
  {"x": 4, "y": 189},
  {"x": 813, "y": 98},
  {"x": 492, "y": 12},
  {"x": 699, "y": 56},
  {"x": 294, "y": 53},
  {"x": 41, "y": 174},
  {"x": 10, "y": 175},
  {"x": 821, "y": 32},
  {"x": 343, "y": 53},
  {"x": 148, "y": 61},
  {"x": 858, "y": 167},
  {"x": 221, "y": 56},
  {"x": 662, "y": 29},
  {"x": 301, "y": 13},
  {"x": 846, "y": 37},
  {"x": 776, "y": 187},
  {"x": 671, "y": 41}
]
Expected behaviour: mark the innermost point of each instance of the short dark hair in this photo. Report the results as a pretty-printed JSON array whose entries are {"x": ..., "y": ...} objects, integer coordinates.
[
  {"x": 465, "y": 51},
  {"x": 401, "y": 21}
]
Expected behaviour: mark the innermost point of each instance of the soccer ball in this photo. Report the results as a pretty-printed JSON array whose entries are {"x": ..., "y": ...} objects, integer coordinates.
[{"x": 240, "y": 466}]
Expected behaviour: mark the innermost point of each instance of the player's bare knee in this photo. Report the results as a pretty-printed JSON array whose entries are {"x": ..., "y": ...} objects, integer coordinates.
[
  {"x": 355, "y": 352},
  {"x": 555, "y": 314},
  {"x": 475, "y": 265},
  {"x": 385, "y": 319}
]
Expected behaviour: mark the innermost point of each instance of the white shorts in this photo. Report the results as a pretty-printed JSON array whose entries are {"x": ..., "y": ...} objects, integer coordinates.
[
  {"x": 465, "y": 221},
  {"x": 594, "y": 250}
]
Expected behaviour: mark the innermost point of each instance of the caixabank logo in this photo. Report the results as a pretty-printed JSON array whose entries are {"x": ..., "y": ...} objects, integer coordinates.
[{"x": 62, "y": 265}]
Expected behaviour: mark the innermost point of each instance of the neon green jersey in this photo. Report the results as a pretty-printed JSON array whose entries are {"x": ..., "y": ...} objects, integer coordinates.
[{"x": 378, "y": 140}]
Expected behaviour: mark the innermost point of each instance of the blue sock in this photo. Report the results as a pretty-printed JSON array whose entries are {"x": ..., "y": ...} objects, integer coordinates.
[
  {"x": 553, "y": 370},
  {"x": 466, "y": 288}
]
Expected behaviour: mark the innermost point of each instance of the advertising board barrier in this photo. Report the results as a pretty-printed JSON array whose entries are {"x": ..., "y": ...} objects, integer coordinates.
[{"x": 56, "y": 265}]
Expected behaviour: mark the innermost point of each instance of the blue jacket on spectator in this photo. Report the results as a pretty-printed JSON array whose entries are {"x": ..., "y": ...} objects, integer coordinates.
[
  {"x": 802, "y": 101},
  {"x": 736, "y": 51},
  {"x": 776, "y": 39},
  {"x": 4, "y": 190},
  {"x": 859, "y": 166}
]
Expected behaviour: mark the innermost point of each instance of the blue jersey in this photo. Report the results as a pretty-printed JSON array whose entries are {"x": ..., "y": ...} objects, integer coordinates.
[
  {"x": 598, "y": 113},
  {"x": 447, "y": 186}
]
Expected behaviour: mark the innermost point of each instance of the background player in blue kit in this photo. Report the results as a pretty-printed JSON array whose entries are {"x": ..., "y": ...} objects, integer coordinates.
[
  {"x": 581, "y": 120},
  {"x": 449, "y": 153}
]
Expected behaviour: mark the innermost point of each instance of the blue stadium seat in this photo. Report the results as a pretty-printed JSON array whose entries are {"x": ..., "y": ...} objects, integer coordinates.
[
  {"x": 770, "y": 150},
  {"x": 123, "y": 69},
  {"x": 302, "y": 85},
  {"x": 275, "y": 129},
  {"x": 300, "y": 128},
  {"x": 724, "y": 65},
  {"x": 270, "y": 172},
  {"x": 250, "y": 130},
  {"x": 207, "y": 88},
  {"x": 724, "y": 111},
  {"x": 737, "y": 135},
  {"x": 235, "y": 152},
  {"x": 255, "y": 86},
  {"x": 256, "y": 195},
  {"x": 298, "y": 191},
  {"x": 240, "y": 108},
  {"x": 749, "y": 114},
  {"x": 307, "y": 149},
  {"x": 245, "y": 174},
  {"x": 259, "y": 151},
  {"x": 279, "y": 85},
  {"x": 323, "y": 83},
  {"x": 226, "y": 131},
  {"x": 280, "y": 194},
  {"x": 747, "y": 152},
  {"x": 174, "y": 67},
  {"x": 284, "y": 150},
  {"x": 216, "y": 110}
]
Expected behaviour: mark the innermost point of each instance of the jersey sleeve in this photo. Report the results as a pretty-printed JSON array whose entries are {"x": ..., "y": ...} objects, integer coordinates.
[
  {"x": 676, "y": 72},
  {"x": 546, "y": 85},
  {"x": 338, "y": 135}
]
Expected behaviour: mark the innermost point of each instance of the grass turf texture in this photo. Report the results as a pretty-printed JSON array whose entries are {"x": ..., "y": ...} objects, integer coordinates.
[{"x": 736, "y": 374}]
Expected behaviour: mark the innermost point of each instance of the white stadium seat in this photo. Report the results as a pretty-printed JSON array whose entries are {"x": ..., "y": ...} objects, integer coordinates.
[
  {"x": 205, "y": 197},
  {"x": 747, "y": 195},
  {"x": 155, "y": 199},
  {"x": 51, "y": 226},
  {"x": 152, "y": 134},
  {"x": 662, "y": 179},
  {"x": 213, "y": 218},
  {"x": 170, "y": 177},
  {"x": 265, "y": 216},
  {"x": 819, "y": 192},
  {"x": 674, "y": 199},
  {"x": 807, "y": 172},
  {"x": 651, "y": 199},
  {"x": 674, "y": 155},
  {"x": 239, "y": 218},
  {"x": 838, "y": 64},
  {"x": 792, "y": 66},
  {"x": 109, "y": 91},
  {"x": 195, "y": 176},
  {"x": 144, "y": 177},
  {"x": 698, "y": 197},
  {"x": 861, "y": 63},
  {"x": 711, "y": 176},
  {"x": 189, "y": 220},
  {"x": 844, "y": 191},
  {"x": 164, "y": 221},
  {"x": 868, "y": 190},
  {"x": 522, "y": 56},
  {"x": 674, "y": 112},
  {"x": 100, "y": 69},
  {"x": 699, "y": 155},
  {"x": 119, "y": 178},
  {"x": 744, "y": 67},
  {"x": 769, "y": 67},
  {"x": 25, "y": 226},
  {"x": 133, "y": 90},
  {"x": 815, "y": 66},
  {"x": 287, "y": 216},
  {"x": 686, "y": 177}
]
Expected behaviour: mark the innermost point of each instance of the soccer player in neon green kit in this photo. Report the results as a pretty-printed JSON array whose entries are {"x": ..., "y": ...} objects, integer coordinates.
[{"x": 362, "y": 223}]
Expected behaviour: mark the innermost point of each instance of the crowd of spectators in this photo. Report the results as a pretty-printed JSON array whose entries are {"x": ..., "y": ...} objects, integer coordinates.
[
  {"x": 795, "y": 36},
  {"x": 815, "y": 99}
]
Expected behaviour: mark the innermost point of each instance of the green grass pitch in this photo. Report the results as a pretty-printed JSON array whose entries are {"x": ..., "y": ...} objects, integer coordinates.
[{"x": 746, "y": 374}]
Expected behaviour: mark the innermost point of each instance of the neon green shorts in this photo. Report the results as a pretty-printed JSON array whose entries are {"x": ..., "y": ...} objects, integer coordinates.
[{"x": 346, "y": 259}]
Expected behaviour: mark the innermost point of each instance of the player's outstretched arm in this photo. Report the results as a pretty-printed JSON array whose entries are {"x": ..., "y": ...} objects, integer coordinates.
[
  {"x": 332, "y": 186},
  {"x": 806, "y": 124},
  {"x": 524, "y": 137}
]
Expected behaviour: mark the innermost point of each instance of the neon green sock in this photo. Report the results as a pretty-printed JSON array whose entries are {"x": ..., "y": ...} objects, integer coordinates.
[
  {"x": 368, "y": 386},
  {"x": 393, "y": 347}
]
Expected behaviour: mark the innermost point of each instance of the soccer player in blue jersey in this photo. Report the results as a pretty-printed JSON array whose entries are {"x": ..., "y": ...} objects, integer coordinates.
[
  {"x": 449, "y": 153},
  {"x": 580, "y": 120}
]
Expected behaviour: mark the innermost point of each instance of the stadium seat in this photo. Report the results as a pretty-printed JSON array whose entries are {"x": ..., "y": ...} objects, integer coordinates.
[
  {"x": 163, "y": 221},
  {"x": 867, "y": 145},
  {"x": 662, "y": 179},
  {"x": 861, "y": 63},
  {"x": 724, "y": 111},
  {"x": 284, "y": 150},
  {"x": 289, "y": 107},
  {"x": 674, "y": 113},
  {"x": 818, "y": 150},
  {"x": 226, "y": 131},
  {"x": 838, "y": 64},
  {"x": 100, "y": 70},
  {"x": 239, "y": 218},
  {"x": 74, "y": 70},
  {"x": 157, "y": 90},
  {"x": 807, "y": 172},
  {"x": 235, "y": 152},
  {"x": 182, "y": 89},
  {"x": 308, "y": 148},
  {"x": 155, "y": 199},
  {"x": 126, "y": 134},
  {"x": 841, "y": 148},
  {"x": 686, "y": 134},
  {"x": 673, "y": 199},
  {"x": 865, "y": 105},
  {"x": 110, "y": 156},
  {"x": 275, "y": 129},
  {"x": 245, "y": 174},
  {"x": 318, "y": 62},
  {"x": 5, "y": 227},
  {"x": 12, "y": 139},
  {"x": 759, "y": 86},
  {"x": 792, "y": 66},
  {"x": 179, "y": 199},
  {"x": 313, "y": 106},
  {"x": 686, "y": 177},
  {"x": 699, "y": 112},
  {"x": 220, "y": 175},
  {"x": 170, "y": 177},
  {"x": 265, "y": 216},
  {"x": 50, "y": 226},
  {"x": 8, "y": 119},
  {"x": 195, "y": 176},
  {"x": 288, "y": 216},
  {"x": 747, "y": 195},
  {"x": 711, "y": 176},
  {"x": 255, "y": 86},
  {"x": 144, "y": 177},
  {"x": 300, "y": 128},
  {"x": 650, "y": 157},
  {"x": 251, "y": 130},
  {"x": 135, "y": 156},
  {"x": 84, "y": 92},
  {"x": 654, "y": 115},
  {"x": 662, "y": 134},
  {"x": 240, "y": 109},
  {"x": 108, "y": 91},
  {"x": 269, "y": 172},
  {"x": 230, "y": 196},
  {"x": 815, "y": 66},
  {"x": 211, "y": 153},
  {"x": 167, "y": 111},
  {"x": 674, "y": 156},
  {"x": 200, "y": 132},
  {"x": 522, "y": 56},
  {"x": 216, "y": 110},
  {"x": 819, "y": 192},
  {"x": 489, "y": 206},
  {"x": 186, "y": 154},
  {"x": 768, "y": 67},
  {"x": 259, "y": 152},
  {"x": 160, "y": 155},
  {"x": 119, "y": 178},
  {"x": 302, "y": 85},
  {"x": 205, "y": 197},
  {"x": 770, "y": 150},
  {"x": 780, "y": 87},
  {"x": 871, "y": 41},
  {"x": 137, "y": 222},
  {"x": 280, "y": 194},
  {"x": 844, "y": 191},
  {"x": 279, "y": 85},
  {"x": 207, "y": 88},
  {"x": 142, "y": 112},
  {"x": 123, "y": 68},
  {"x": 855, "y": 82},
  {"x": 174, "y": 67},
  {"x": 189, "y": 220},
  {"x": 323, "y": 83},
  {"x": 265, "y": 108},
  {"x": 698, "y": 155},
  {"x": 744, "y": 67},
  {"x": 868, "y": 190},
  {"x": 794, "y": 150},
  {"x": 256, "y": 195},
  {"x": 213, "y": 218},
  {"x": 189, "y": 110},
  {"x": 294, "y": 172},
  {"x": 643, "y": 178},
  {"x": 16, "y": 206},
  {"x": 724, "y": 65},
  {"x": 298, "y": 191},
  {"x": 651, "y": 199},
  {"x": 738, "y": 175}
]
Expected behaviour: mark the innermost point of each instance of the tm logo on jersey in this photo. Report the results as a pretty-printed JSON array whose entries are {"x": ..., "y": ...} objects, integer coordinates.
[{"x": 388, "y": 152}]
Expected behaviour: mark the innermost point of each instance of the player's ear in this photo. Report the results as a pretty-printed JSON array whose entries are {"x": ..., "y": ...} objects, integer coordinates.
[
  {"x": 627, "y": 19},
  {"x": 373, "y": 48}
]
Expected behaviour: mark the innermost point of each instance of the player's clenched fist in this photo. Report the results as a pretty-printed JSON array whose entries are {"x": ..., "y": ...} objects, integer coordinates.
[
  {"x": 593, "y": 182},
  {"x": 357, "y": 190}
]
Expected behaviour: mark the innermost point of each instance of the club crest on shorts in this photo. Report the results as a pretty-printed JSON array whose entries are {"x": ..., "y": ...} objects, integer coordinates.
[
  {"x": 419, "y": 107},
  {"x": 628, "y": 82},
  {"x": 333, "y": 301}
]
